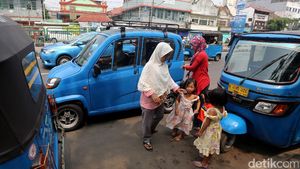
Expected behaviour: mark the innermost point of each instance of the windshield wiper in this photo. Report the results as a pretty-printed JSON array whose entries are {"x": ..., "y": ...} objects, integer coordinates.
[{"x": 262, "y": 68}]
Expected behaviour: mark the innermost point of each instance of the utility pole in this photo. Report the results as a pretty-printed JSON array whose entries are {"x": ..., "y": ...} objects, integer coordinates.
[
  {"x": 28, "y": 8},
  {"x": 150, "y": 14}
]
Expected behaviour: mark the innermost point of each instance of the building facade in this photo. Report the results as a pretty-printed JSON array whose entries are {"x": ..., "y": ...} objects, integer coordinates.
[
  {"x": 25, "y": 12},
  {"x": 173, "y": 12},
  {"x": 70, "y": 10},
  {"x": 204, "y": 15},
  {"x": 282, "y": 8},
  {"x": 257, "y": 17}
]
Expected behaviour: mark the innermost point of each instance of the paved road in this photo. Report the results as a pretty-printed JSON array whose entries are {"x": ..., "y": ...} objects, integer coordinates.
[{"x": 114, "y": 142}]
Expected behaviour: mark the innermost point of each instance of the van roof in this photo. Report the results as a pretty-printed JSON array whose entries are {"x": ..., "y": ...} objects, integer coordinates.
[
  {"x": 136, "y": 32},
  {"x": 259, "y": 34}
]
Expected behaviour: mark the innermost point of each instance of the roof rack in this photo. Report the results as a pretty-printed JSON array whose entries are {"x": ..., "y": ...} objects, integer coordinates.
[{"x": 145, "y": 25}]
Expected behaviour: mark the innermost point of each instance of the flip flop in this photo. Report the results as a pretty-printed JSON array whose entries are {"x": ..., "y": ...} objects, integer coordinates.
[
  {"x": 154, "y": 131},
  {"x": 199, "y": 164},
  {"x": 148, "y": 146}
]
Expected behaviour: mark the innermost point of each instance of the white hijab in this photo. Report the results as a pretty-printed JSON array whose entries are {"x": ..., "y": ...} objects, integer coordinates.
[{"x": 155, "y": 75}]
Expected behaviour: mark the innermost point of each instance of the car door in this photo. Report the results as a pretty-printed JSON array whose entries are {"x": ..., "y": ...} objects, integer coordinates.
[{"x": 115, "y": 87}]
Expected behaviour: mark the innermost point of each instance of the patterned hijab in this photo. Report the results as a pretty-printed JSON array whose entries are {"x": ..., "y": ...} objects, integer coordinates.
[{"x": 199, "y": 43}]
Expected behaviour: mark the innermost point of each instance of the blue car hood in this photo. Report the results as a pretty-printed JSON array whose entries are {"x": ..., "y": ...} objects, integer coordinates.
[
  {"x": 64, "y": 71},
  {"x": 55, "y": 45}
]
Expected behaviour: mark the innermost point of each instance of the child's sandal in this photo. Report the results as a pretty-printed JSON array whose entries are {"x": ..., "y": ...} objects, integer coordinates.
[{"x": 199, "y": 164}]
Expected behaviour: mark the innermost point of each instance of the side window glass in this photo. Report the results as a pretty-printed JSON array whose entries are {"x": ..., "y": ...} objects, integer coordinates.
[
  {"x": 125, "y": 53},
  {"x": 32, "y": 74},
  {"x": 105, "y": 61},
  {"x": 149, "y": 46}
]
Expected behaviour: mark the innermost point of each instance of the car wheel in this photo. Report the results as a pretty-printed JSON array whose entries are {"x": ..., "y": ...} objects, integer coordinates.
[
  {"x": 53, "y": 40},
  {"x": 69, "y": 116},
  {"x": 63, "y": 59},
  {"x": 169, "y": 103},
  {"x": 227, "y": 141},
  {"x": 218, "y": 57}
]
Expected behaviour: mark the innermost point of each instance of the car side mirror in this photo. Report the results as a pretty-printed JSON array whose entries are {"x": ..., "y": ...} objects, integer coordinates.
[
  {"x": 97, "y": 70},
  {"x": 79, "y": 43}
]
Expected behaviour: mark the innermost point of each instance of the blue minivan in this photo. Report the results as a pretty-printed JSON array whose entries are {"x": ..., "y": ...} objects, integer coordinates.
[
  {"x": 261, "y": 77},
  {"x": 104, "y": 76},
  {"x": 30, "y": 138},
  {"x": 61, "y": 52}
]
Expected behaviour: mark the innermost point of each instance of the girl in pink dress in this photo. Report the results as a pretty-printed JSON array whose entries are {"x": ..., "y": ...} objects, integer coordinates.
[{"x": 181, "y": 118}]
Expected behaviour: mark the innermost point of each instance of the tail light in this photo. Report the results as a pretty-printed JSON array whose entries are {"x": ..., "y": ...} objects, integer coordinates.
[
  {"x": 272, "y": 109},
  {"x": 52, "y": 103},
  {"x": 41, "y": 162}
]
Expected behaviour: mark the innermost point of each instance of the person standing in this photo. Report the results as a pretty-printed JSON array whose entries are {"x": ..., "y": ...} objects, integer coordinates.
[
  {"x": 155, "y": 84},
  {"x": 199, "y": 68}
]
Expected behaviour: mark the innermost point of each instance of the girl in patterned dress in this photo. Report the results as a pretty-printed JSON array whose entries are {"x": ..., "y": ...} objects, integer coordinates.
[
  {"x": 209, "y": 136},
  {"x": 181, "y": 118}
]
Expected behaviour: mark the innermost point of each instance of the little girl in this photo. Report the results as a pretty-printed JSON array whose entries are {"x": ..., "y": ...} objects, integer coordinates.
[
  {"x": 208, "y": 141},
  {"x": 181, "y": 119}
]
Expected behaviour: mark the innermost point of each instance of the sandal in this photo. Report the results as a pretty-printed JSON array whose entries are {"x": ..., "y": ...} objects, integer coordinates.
[
  {"x": 148, "y": 146},
  {"x": 178, "y": 138},
  {"x": 199, "y": 164},
  {"x": 154, "y": 131}
]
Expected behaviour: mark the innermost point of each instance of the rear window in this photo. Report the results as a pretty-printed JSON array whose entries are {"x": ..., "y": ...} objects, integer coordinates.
[{"x": 32, "y": 74}]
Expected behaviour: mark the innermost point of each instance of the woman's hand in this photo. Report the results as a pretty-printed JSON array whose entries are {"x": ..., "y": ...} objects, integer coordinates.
[
  {"x": 156, "y": 99},
  {"x": 184, "y": 66},
  {"x": 176, "y": 112}
]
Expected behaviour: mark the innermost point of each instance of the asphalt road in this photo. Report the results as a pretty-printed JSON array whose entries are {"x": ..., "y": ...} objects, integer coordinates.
[{"x": 114, "y": 142}]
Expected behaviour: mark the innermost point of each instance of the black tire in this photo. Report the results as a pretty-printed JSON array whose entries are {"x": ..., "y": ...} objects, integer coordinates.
[
  {"x": 227, "y": 141},
  {"x": 62, "y": 59},
  {"x": 218, "y": 57},
  {"x": 70, "y": 117},
  {"x": 53, "y": 40},
  {"x": 169, "y": 104}
]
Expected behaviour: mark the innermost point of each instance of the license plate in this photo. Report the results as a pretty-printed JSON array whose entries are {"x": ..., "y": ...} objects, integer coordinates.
[{"x": 238, "y": 90}]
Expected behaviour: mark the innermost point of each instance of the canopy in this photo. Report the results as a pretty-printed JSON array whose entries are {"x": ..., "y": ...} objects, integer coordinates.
[{"x": 20, "y": 112}]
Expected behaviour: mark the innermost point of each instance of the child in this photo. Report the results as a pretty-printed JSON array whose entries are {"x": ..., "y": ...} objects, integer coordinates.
[
  {"x": 200, "y": 116},
  {"x": 181, "y": 119},
  {"x": 208, "y": 141}
]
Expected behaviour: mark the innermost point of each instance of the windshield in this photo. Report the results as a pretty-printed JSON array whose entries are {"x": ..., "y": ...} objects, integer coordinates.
[
  {"x": 81, "y": 37},
  {"x": 89, "y": 49},
  {"x": 265, "y": 61}
]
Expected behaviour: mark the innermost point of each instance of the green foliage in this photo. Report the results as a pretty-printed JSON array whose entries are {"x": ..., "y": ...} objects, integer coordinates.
[{"x": 279, "y": 24}]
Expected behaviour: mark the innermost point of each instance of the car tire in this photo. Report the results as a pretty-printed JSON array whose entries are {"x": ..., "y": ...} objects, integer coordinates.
[
  {"x": 63, "y": 59},
  {"x": 53, "y": 40},
  {"x": 218, "y": 57},
  {"x": 70, "y": 117},
  {"x": 169, "y": 104},
  {"x": 227, "y": 141}
]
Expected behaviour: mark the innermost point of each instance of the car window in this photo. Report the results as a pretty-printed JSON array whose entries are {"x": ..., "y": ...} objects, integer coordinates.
[
  {"x": 32, "y": 74},
  {"x": 149, "y": 46},
  {"x": 105, "y": 61},
  {"x": 125, "y": 53},
  {"x": 85, "y": 39}
]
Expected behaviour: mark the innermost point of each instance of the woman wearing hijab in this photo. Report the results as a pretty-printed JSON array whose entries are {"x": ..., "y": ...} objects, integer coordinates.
[
  {"x": 199, "y": 68},
  {"x": 154, "y": 84}
]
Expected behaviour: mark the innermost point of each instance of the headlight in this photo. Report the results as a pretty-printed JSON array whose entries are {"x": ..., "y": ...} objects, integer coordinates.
[
  {"x": 272, "y": 109},
  {"x": 52, "y": 83},
  {"x": 49, "y": 51}
]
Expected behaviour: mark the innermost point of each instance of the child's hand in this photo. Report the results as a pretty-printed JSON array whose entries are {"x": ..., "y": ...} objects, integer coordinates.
[
  {"x": 180, "y": 90},
  {"x": 199, "y": 134},
  {"x": 196, "y": 111}
]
